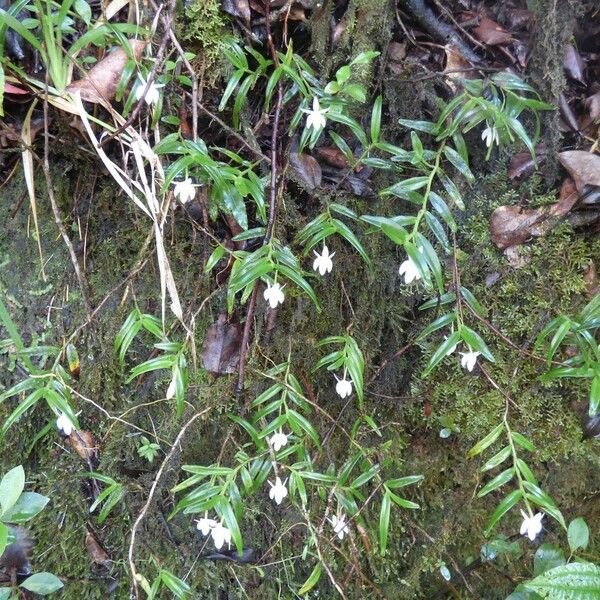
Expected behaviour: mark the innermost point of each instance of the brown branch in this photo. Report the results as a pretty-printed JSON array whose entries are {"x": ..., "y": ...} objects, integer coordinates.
[{"x": 272, "y": 210}]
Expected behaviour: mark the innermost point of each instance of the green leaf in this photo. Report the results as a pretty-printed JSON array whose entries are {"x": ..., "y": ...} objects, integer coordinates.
[
  {"x": 425, "y": 126},
  {"x": 578, "y": 534},
  {"x": 497, "y": 482},
  {"x": 507, "y": 503},
  {"x": 574, "y": 581},
  {"x": 522, "y": 441},
  {"x": 539, "y": 497},
  {"x": 25, "y": 508},
  {"x": 365, "y": 477},
  {"x": 594, "y": 396},
  {"x": 179, "y": 587},
  {"x": 440, "y": 322},
  {"x": 441, "y": 352},
  {"x": 356, "y": 91},
  {"x": 3, "y": 537},
  {"x": 11, "y": 486},
  {"x": 312, "y": 580},
  {"x": 403, "y": 503},
  {"x": 376, "y": 120},
  {"x": 395, "y": 232},
  {"x": 403, "y": 481},
  {"x": 486, "y": 442},
  {"x": 459, "y": 164},
  {"x": 5, "y": 593},
  {"x": 475, "y": 342},
  {"x": 384, "y": 522},
  {"x": 547, "y": 557},
  {"x": 497, "y": 459},
  {"x": 42, "y": 583},
  {"x": 402, "y": 188}
]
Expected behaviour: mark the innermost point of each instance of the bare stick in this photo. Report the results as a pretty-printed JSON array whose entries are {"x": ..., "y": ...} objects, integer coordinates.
[{"x": 134, "y": 574}]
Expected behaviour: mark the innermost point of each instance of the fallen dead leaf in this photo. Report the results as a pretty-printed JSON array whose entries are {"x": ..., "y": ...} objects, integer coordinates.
[
  {"x": 95, "y": 550},
  {"x": 101, "y": 81},
  {"x": 333, "y": 156},
  {"x": 514, "y": 225},
  {"x": 590, "y": 278},
  {"x": 593, "y": 105},
  {"x": 307, "y": 169},
  {"x": 582, "y": 166},
  {"x": 237, "y": 8},
  {"x": 84, "y": 444},
  {"x": 573, "y": 64},
  {"x": 221, "y": 349},
  {"x": 490, "y": 33}
]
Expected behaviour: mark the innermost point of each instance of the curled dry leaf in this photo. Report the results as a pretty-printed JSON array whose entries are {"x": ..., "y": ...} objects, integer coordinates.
[
  {"x": 333, "y": 156},
  {"x": 583, "y": 167},
  {"x": 221, "y": 350},
  {"x": 95, "y": 551},
  {"x": 101, "y": 81},
  {"x": 573, "y": 64},
  {"x": 490, "y": 33},
  {"x": 514, "y": 225},
  {"x": 593, "y": 105},
  {"x": 238, "y": 8},
  {"x": 590, "y": 278},
  {"x": 307, "y": 169},
  {"x": 522, "y": 164},
  {"x": 84, "y": 444}
]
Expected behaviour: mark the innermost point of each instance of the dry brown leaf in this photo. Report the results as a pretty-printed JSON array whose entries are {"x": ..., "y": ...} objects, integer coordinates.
[
  {"x": 456, "y": 64},
  {"x": 238, "y": 8},
  {"x": 582, "y": 166},
  {"x": 590, "y": 278},
  {"x": 333, "y": 156},
  {"x": 95, "y": 550},
  {"x": 307, "y": 169},
  {"x": 566, "y": 199},
  {"x": 490, "y": 33},
  {"x": 514, "y": 225},
  {"x": 221, "y": 349},
  {"x": 101, "y": 81},
  {"x": 593, "y": 105},
  {"x": 573, "y": 64},
  {"x": 84, "y": 444}
]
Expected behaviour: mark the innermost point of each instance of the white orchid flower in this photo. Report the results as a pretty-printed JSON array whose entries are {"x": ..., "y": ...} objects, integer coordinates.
[
  {"x": 532, "y": 525},
  {"x": 220, "y": 535},
  {"x": 409, "y": 270},
  {"x": 278, "y": 490},
  {"x": 340, "y": 527},
  {"x": 274, "y": 295},
  {"x": 64, "y": 424},
  {"x": 205, "y": 525},
  {"x": 316, "y": 117},
  {"x": 171, "y": 390},
  {"x": 343, "y": 386},
  {"x": 323, "y": 262},
  {"x": 490, "y": 135},
  {"x": 278, "y": 440},
  {"x": 152, "y": 95},
  {"x": 469, "y": 359},
  {"x": 185, "y": 191}
]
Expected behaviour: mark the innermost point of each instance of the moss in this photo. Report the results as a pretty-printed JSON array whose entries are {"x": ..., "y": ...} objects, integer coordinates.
[{"x": 205, "y": 26}]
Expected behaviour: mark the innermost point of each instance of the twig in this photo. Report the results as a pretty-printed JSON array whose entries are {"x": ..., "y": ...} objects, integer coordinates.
[
  {"x": 272, "y": 209},
  {"x": 56, "y": 212},
  {"x": 440, "y": 30},
  {"x": 134, "y": 574}
]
